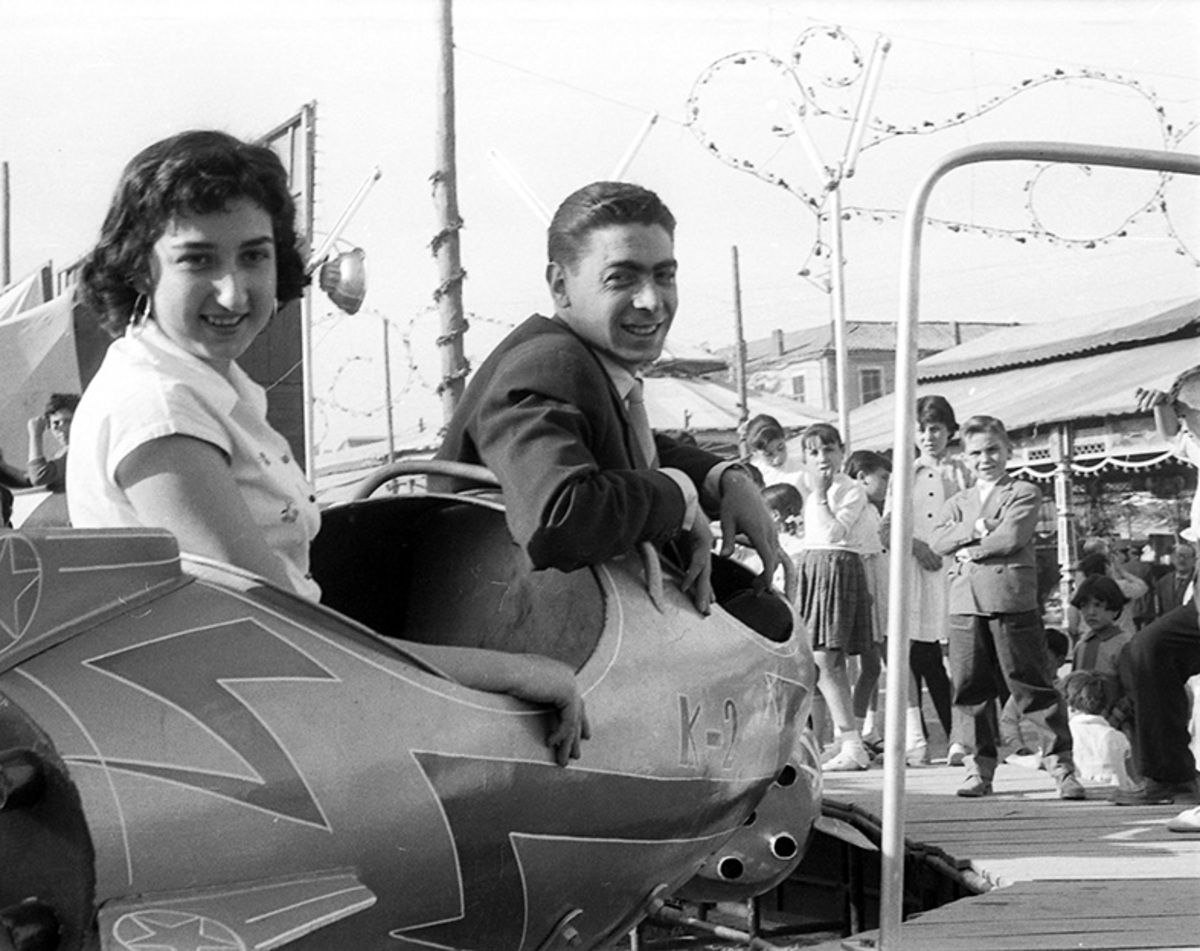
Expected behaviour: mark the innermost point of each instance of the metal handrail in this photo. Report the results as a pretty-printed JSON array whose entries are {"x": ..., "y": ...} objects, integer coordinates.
[
  {"x": 414, "y": 467},
  {"x": 892, "y": 844}
]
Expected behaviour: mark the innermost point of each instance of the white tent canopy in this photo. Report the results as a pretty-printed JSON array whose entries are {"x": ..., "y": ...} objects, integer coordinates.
[{"x": 37, "y": 358}]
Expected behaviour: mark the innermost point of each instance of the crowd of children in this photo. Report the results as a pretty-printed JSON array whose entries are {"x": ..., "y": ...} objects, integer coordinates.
[{"x": 1059, "y": 701}]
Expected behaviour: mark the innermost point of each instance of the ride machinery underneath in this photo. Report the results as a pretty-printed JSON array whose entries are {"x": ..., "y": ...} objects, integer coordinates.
[{"x": 193, "y": 759}]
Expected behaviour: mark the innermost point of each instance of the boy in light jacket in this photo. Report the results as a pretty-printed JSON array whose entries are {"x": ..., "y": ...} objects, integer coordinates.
[{"x": 995, "y": 625}]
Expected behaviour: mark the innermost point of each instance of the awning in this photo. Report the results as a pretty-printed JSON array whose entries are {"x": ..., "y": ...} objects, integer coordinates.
[
  {"x": 1088, "y": 387},
  {"x": 705, "y": 406}
]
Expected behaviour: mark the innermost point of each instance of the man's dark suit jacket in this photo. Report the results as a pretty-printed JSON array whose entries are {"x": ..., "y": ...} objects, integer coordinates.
[
  {"x": 1169, "y": 590},
  {"x": 542, "y": 414},
  {"x": 1005, "y": 580}
]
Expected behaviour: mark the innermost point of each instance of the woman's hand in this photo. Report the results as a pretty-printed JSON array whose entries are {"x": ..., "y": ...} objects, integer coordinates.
[
  {"x": 533, "y": 678},
  {"x": 552, "y": 682}
]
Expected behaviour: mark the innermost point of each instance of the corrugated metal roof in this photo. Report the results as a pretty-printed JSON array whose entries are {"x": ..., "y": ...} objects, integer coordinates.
[
  {"x": 861, "y": 335},
  {"x": 1050, "y": 340},
  {"x": 1090, "y": 386},
  {"x": 705, "y": 406}
]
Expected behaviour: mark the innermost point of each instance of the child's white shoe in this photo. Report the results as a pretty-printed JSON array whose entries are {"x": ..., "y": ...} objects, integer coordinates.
[
  {"x": 850, "y": 759},
  {"x": 917, "y": 754}
]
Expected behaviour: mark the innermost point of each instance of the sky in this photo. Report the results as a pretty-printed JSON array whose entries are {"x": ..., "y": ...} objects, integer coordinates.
[{"x": 562, "y": 89}]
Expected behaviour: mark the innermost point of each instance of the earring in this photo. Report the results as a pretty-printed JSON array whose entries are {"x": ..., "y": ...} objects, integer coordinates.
[{"x": 141, "y": 310}]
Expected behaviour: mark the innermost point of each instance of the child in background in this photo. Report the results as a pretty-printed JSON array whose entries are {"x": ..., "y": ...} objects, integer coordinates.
[
  {"x": 1101, "y": 647},
  {"x": 1096, "y": 561},
  {"x": 1102, "y": 753},
  {"x": 787, "y": 508},
  {"x": 938, "y": 474},
  {"x": 873, "y": 472},
  {"x": 834, "y": 600},
  {"x": 1101, "y": 643},
  {"x": 1018, "y": 733},
  {"x": 996, "y": 632},
  {"x": 769, "y": 452}
]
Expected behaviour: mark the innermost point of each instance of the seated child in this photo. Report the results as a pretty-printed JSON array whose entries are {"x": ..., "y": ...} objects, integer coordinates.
[
  {"x": 1102, "y": 754},
  {"x": 1101, "y": 644}
]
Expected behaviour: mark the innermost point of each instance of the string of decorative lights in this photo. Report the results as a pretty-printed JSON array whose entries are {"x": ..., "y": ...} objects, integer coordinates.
[
  {"x": 1046, "y": 473},
  {"x": 814, "y": 103}
]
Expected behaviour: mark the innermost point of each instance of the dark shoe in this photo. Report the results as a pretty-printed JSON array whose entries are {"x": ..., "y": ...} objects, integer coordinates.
[
  {"x": 1153, "y": 793},
  {"x": 1069, "y": 787},
  {"x": 975, "y": 788}
]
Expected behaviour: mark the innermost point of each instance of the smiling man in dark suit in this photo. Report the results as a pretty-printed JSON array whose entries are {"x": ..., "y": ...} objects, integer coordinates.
[{"x": 555, "y": 411}]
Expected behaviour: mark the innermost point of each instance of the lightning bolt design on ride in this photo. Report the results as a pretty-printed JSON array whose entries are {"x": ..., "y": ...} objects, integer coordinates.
[{"x": 195, "y": 671}]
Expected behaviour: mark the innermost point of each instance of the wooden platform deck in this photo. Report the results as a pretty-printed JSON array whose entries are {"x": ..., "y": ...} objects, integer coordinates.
[{"x": 1064, "y": 875}]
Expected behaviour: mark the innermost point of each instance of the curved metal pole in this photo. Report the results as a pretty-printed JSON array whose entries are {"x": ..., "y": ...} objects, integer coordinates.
[{"x": 892, "y": 893}]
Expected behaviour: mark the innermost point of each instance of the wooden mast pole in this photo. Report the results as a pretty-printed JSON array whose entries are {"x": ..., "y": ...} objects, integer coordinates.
[
  {"x": 445, "y": 245},
  {"x": 5, "y": 229}
]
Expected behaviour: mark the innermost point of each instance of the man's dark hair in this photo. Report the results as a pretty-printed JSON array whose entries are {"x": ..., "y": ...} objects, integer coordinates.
[{"x": 601, "y": 205}]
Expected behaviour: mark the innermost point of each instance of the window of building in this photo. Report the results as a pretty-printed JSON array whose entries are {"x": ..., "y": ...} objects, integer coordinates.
[
  {"x": 798, "y": 388},
  {"x": 870, "y": 383}
]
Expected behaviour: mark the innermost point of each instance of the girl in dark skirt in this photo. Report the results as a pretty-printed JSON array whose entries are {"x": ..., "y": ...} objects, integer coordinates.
[{"x": 834, "y": 601}]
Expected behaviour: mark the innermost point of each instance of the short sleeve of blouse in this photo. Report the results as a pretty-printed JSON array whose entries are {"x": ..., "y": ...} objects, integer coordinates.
[{"x": 160, "y": 409}]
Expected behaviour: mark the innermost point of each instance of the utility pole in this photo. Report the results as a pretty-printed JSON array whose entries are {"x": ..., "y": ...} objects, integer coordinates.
[
  {"x": 448, "y": 294},
  {"x": 5, "y": 229}
]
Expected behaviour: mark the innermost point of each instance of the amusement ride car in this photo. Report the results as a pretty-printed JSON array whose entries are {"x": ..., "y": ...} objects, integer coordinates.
[{"x": 193, "y": 758}]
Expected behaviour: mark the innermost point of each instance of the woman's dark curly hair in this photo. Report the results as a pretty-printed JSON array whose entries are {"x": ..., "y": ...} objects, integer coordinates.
[{"x": 193, "y": 173}]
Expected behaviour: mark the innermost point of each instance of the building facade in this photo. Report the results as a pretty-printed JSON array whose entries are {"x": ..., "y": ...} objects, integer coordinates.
[{"x": 802, "y": 364}]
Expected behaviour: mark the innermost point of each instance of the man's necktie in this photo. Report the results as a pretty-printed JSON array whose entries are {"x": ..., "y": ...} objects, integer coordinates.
[{"x": 635, "y": 403}]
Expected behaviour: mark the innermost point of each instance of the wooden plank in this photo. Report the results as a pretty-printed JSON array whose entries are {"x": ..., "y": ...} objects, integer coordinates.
[{"x": 1075, "y": 874}]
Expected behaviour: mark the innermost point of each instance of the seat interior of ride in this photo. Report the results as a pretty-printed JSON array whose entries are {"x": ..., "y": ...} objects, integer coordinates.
[{"x": 443, "y": 570}]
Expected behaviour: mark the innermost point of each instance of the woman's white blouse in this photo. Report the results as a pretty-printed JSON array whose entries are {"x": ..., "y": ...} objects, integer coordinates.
[{"x": 149, "y": 387}]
